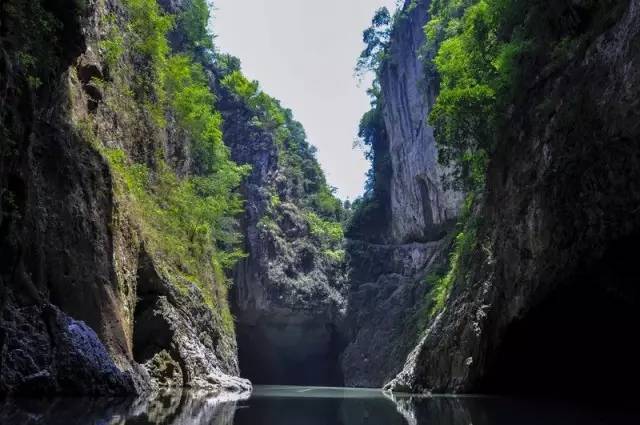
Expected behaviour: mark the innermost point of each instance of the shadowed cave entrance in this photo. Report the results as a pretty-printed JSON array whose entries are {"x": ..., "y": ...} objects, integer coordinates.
[
  {"x": 580, "y": 342},
  {"x": 273, "y": 353}
]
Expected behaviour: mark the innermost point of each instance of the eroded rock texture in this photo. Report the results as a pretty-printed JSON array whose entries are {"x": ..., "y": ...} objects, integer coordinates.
[
  {"x": 387, "y": 307},
  {"x": 388, "y": 291},
  {"x": 85, "y": 307},
  {"x": 420, "y": 205},
  {"x": 549, "y": 302},
  {"x": 288, "y": 294}
]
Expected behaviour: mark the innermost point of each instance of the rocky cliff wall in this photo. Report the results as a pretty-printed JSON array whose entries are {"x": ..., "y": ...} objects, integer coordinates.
[
  {"x": 421, "y": 208},
  {"x": 550, "y": 294},
  {"x": 389, "y": 295},
  {"x": 88, "y": 306},
  {"x": 289, "y": 292}
]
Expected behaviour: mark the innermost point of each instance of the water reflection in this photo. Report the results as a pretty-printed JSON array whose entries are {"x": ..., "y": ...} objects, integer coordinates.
[
  {"x": 479, "y": 410},
  {"x": 318, "y": 406},
  {"x": 178, "y": 407},
  {"x": 305, "y": 406}
]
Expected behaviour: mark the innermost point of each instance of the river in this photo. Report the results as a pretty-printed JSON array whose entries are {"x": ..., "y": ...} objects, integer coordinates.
[{"x": 285, "y": 405}]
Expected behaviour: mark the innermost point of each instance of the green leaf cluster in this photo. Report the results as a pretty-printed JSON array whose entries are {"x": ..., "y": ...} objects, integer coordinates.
[
  {"x": 327, "y": 231},
  {"x": 371, "y": 212},
  {"x": 476, "y": 69},
  {"x": 376, "y": 40},
  {"x": 305, "y": 185},
  {"x": 296, "y": 156},
  {"x": 193, "y": 23},
  {"x": 179, "y": 219},
  {"x": 188, "y": 221},
  {"x": 485, "y": 53},
  {"x": 464, "y": 243}
]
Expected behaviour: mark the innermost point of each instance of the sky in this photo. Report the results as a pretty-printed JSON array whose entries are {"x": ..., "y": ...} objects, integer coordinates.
[{"x": 303, "y": 53}]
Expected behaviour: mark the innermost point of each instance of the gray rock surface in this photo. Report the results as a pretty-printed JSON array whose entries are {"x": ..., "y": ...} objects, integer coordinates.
[
  {"x": 420, "y": 205},
  {"x": 388, "y": 292},
  {"x": 177, "y": 332},
  {"x": 76, "y": 281},
  {"x": 387, "y": 304},
  {"x": 288, "y": 295},
  {"x": 45, "y": 351},
  {"x": 560, "y": 218}
]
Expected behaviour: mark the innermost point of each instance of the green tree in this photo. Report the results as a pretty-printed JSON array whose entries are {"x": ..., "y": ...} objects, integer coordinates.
[
  {"x": 376, "y": 39},
  {"x": 193, "y": 23},
  {"x": 476, "y": 69}
]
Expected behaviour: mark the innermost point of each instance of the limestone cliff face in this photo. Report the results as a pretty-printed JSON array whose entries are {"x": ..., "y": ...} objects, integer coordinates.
[
  {"x": 420, "y": 207},
  {"x": 87, "y": 306},
  {"x": 388, "y": 292},
  {"x": 387, "y": 300},
  {"x": 288, "y": 294},
  {"x": 551, "y": 292}
]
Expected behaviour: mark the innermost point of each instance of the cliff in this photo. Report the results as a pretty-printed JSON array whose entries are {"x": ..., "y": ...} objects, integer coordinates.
[
  {"x": 390, "y": 261},
  {"x": 421, "y": 208},
  {"x": 165, "y": 223},
  {"x": 548, "y": 294},
  {"x": 289, "y": 292},
  {"x": 110, "y": 279},
  {"x": 142, "y": 175}
]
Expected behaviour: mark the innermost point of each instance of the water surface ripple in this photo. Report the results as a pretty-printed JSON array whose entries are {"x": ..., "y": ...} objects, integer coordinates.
[{"x": 285, "y": 405}]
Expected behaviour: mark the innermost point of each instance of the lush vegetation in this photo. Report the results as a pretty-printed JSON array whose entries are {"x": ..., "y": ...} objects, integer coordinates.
[
  {"x": 484, "y": 51},
  {"x": 187, "y": 221},
  {"x": 295, "y": 155},
  {"x": 442, "y": 281},
  {"x": 476, "y": 68},
  {"x": 371, "y": 212},
  {"x": 306, "y": 185},
  {"x": 376, "y": 40},
  {"x": 193, "y": 23}
]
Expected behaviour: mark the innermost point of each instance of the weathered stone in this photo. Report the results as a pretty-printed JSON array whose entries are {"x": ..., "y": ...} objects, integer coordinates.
[
  {"x": 44, "y": 351},
  {"x": 75, "y": 275},
  {"x": 388, "y": 293},
  {"x": 387, "y": 305},
  {"x": 421, "y": 208},
  {"x": 288, "y": 295},
  {"x": 560, "y": 225}
]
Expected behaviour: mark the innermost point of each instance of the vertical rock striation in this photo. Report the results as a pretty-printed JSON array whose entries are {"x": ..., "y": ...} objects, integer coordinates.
[
  {"x": 288, "y": 294},
  {"x": 551, "y": 294},
  {"x": 86, "y": 306},
  {"x": 388, "y": 291},
  {"x": 421, "y": 208}
]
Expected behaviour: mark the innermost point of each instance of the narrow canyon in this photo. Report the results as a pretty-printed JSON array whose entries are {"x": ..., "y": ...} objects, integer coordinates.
[{"x": 165, "y": 223}]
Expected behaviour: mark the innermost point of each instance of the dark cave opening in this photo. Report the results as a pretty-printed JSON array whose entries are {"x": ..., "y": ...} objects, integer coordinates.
[
  {"x": 152, "y": 329},
  {"x": 305, "y": 354},
  {"x": 581, "y": 341},
  {"x": 151, "y": 332}
]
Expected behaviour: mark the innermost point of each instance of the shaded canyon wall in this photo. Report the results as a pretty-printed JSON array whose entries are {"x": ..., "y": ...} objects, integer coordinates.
[{"x": 550, "y": 296}]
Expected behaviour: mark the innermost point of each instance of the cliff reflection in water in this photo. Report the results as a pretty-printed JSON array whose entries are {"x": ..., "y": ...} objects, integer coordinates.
[
  {"x": 183, "y": 407},
  {"x": 302, "y": 406}
]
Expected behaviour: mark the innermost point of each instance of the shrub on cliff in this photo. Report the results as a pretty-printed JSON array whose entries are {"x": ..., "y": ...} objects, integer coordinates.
[
  {"x": 481, "y": 50},
  {"x": 187, "y": 221}
]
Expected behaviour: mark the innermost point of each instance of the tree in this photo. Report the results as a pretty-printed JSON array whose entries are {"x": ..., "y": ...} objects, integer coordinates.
[{"x": 376, "y": 38}]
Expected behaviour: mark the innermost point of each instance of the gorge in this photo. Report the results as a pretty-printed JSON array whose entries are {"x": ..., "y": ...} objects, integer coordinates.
[{"x": 164, "y": 222}]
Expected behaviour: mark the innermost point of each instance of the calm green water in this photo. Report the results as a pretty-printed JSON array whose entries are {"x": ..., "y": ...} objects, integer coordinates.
[{"x": 271, "y": 405}]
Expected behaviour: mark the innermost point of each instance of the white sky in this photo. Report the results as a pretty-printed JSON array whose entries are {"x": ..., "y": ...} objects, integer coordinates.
[{"x": 303, "y": 53}]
